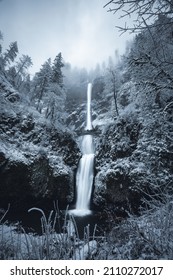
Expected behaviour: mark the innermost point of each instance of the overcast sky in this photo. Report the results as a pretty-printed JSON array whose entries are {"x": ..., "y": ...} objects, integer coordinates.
[{"x": 82, "y": 30}]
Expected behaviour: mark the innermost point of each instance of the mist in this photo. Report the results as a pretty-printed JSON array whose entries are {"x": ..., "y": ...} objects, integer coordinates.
[{"x": 82, "y": 30}]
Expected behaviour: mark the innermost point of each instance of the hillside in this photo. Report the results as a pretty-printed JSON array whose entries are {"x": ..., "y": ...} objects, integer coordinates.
[{"x": 37, "y": 158}]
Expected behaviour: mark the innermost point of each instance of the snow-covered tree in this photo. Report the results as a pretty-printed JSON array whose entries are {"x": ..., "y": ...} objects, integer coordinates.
[
  {"x": 21, "y": 70},
  {"x": 10, "y": 53},
  {"x": 41, "y": 82},
  {"x": 150, "y": 63},
  {"x": 23, "y": 64},
  {"x": 57, "y": 75},
  {"x": 143, "y": 12},
  {"x": 54, "y": 102},
  {"x": 112, "y": 81},
  {"x": 48, "y": 94}
]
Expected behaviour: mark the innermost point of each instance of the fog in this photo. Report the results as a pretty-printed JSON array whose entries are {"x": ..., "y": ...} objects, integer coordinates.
[{"x": 82, "y": 30}]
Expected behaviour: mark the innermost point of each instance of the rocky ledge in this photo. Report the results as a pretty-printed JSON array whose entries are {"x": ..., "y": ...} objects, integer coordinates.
[{"x": 37, "y": 160}]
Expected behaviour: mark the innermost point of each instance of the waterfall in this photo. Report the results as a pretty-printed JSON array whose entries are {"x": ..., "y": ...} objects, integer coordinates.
[
  {"x": 89, "y": 122},
  {"x": 85, "y": 172}
]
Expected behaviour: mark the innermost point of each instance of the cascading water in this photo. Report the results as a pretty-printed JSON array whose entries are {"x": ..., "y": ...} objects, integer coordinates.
[
  {"x": 85, "y": 172},
  {"x": 89, "y": 122}
]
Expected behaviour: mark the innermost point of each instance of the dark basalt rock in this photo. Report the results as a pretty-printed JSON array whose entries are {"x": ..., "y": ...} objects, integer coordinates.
[
  {"x": 133, "y": 163},
  {"x": 117, "y": 186},
  {"x": 114, "y": 179},
  {"x": 15, "y": 180},
  {"x": 114, "y": 191},
  {"x": 3, "y": 161},
  {"x": 37, "y": 160},
  {"x": 51, "y": 182},
  {"x": 118, "y": 141},
  {"x": 35, "y": 179}
]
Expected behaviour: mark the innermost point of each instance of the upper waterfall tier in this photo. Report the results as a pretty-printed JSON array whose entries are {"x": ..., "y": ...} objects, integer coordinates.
[{"x": 88, "y": 119}]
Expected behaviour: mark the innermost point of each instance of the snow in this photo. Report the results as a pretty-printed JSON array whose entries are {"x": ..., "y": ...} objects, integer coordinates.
[
  {"x": 102, "y": 120},
  {"x": 12, "y": 153},
  {"x": 85, "y": 251}
]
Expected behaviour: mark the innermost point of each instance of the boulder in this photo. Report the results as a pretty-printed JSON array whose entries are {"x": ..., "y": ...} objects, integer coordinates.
[{"x": 34, "y": 179}]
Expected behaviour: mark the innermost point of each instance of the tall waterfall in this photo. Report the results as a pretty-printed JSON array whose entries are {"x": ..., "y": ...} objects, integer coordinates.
[
  {"x": 85, "y": 172},
  {"x": 89, "y": 122}
]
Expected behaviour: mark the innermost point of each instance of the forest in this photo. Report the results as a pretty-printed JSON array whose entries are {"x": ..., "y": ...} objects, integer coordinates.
[{"x": 42, "y": 124}]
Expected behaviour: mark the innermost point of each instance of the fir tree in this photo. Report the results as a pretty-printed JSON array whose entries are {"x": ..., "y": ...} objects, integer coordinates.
[
  {"x": 57, "y": 76},
  {"x": 10, "y": 54},
  {"x": 21, "y": 70},
  {"x": 41, "y": 81}
]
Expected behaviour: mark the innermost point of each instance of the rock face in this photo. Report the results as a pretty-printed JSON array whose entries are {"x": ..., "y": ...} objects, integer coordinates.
[
  {"x": 114, "y": 188},
  {"x": 132, "y": 162},
  {"x": 113, "y": 181},
  {"x": 37, "y": 160}
]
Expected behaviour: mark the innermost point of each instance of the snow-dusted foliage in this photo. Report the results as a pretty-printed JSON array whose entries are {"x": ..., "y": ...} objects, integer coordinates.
[
  {"x": 48, "y": 93},
  {"x": 35, "y": 147},
  {"x": 144, "y": 12},
  {"x": 134, "y": 151}
]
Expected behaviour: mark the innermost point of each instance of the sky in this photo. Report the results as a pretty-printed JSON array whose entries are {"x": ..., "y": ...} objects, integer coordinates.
[{"x": 82, "y": 30}]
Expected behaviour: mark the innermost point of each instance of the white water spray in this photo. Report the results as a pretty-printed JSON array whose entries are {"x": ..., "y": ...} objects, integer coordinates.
[{"x": 85, "y": 172}]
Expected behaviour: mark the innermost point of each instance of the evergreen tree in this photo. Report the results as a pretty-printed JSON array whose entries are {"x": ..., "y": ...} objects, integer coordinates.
[
  {"x": 150, "y": 63},
  {"x": 57, "y": 75},
  {"x": 42, "y": 81},
  {"x": 48, "y": 94},
  {"x": 24, "y": 63},
  {"x": 21, "y": 70},
  {"x": 10, "y": 53}
]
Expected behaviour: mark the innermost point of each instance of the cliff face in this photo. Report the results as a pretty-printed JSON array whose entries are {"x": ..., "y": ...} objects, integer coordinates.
[
  {"x": 133, "y": 161},
  {"x": 37, "y": 160},
  {"x": 115, "y": 163}
]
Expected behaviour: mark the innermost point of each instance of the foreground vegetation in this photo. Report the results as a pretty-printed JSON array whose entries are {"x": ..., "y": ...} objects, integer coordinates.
[{"x": 149, "y": 236}]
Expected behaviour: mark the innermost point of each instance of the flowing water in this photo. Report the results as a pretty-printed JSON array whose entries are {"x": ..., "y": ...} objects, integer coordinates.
[
  {"x": 88, "y": 120},
  {"x": 85, "y": 172}
]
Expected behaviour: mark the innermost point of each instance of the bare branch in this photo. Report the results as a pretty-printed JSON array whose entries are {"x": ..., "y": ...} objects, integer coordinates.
[
  {"x": 168, "y": 105},
  {"x": 149, "y": 10}
]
